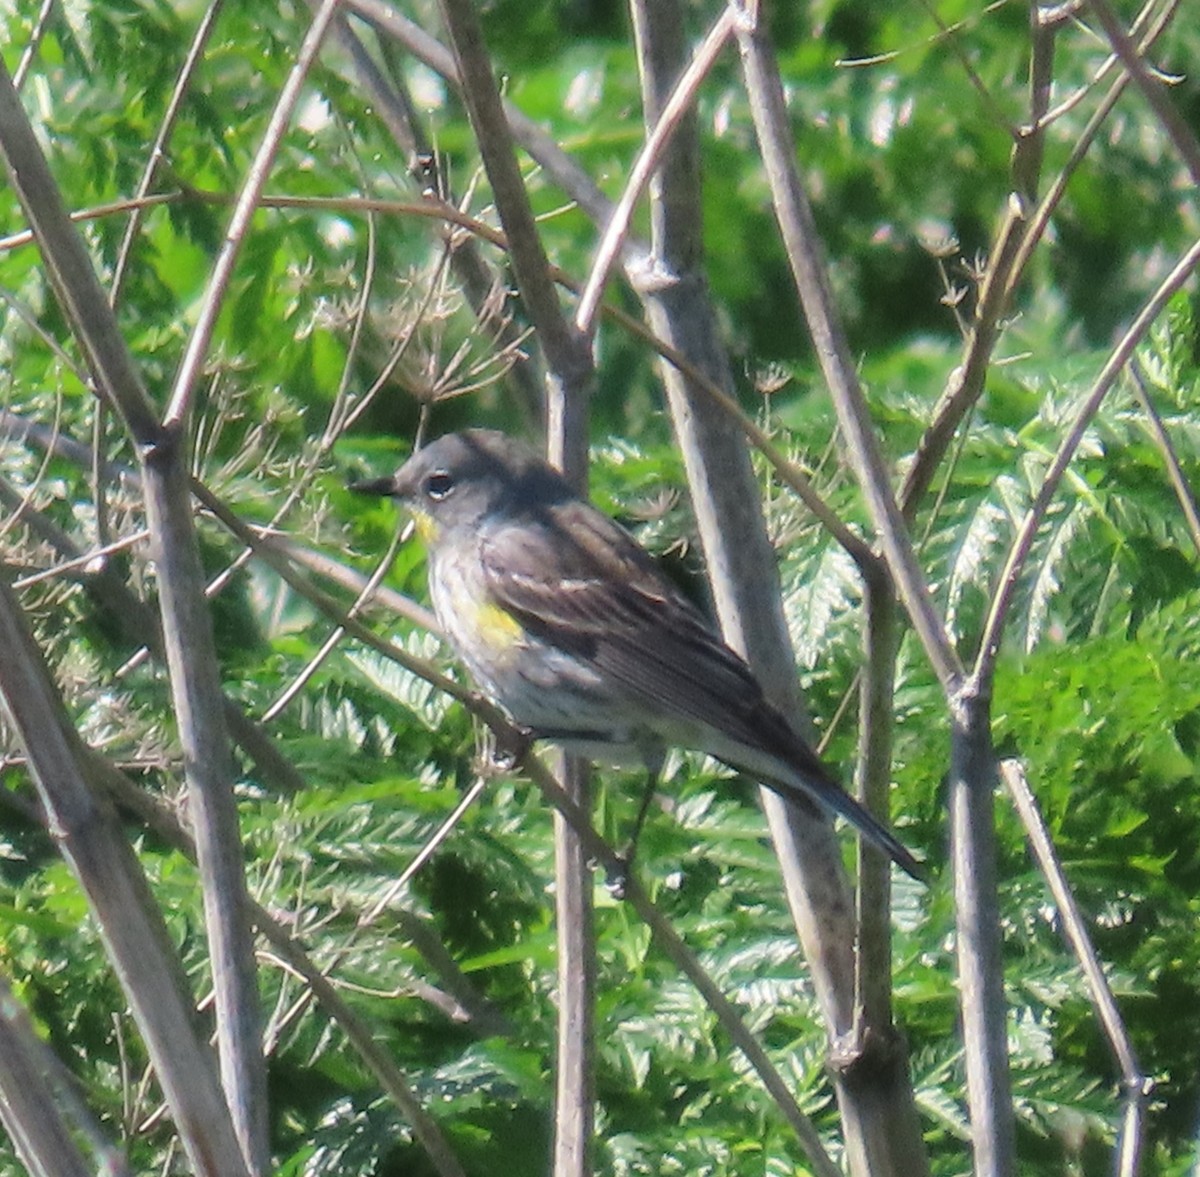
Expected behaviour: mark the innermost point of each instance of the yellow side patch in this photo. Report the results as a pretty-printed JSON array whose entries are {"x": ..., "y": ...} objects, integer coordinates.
[{"x": 496, "y": 627}]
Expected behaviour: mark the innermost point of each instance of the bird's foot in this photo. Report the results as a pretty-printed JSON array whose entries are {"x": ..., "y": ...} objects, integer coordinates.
[
  {"x": 507, "y": 747},
  {"x": 617, "y": 883}
]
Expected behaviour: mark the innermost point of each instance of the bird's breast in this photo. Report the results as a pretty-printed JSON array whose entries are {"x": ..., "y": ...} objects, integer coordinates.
[{"x": 481, "y": 631}]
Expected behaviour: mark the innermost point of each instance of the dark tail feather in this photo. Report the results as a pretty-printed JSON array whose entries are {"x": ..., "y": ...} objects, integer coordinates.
[
  {"x": 830, "y": 795},
  {"x": 879, "y": 835}
]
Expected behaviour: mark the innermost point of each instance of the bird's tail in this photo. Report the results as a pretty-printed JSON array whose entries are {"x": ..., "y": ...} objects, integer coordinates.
[{"x": 829, "y": 795}]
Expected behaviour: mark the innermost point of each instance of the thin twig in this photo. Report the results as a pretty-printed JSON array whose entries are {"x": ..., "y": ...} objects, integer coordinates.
[
  {"x": 649, "y": 158},
  {"x": 1136, "y": 1085},
  {"x": 327, "y": 647},
  {"x": 41, "y": 26},
  {"x": 1131, "y": 55},
  {"x": 158, "y": 148},
  {"x": 558, "y": 165},
  {"x": 1006, "y": 588},
  {"x": 1179, "y": 480},
  {"x": 191, "y": 364},
  {"x": 1057, "y": 188}
]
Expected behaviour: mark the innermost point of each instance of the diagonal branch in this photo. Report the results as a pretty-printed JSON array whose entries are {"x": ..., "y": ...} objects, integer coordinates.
[
  {"x": 87, "y": 832},
  {"x": 647, "y": 163},
  {"x": 809, "y": 271},
  {"x": 1138, "y": 1086},
  {"x": 28, "y": 1109},
  {"x": 187, "y": 625},
  {"x": 1175, "y": 471},
  {"x": 568, "y": 357},
  {"x": 191, "y": 364},
  {"x": 1006, "y": 588},
  {"x": 1131, "y": 55}
]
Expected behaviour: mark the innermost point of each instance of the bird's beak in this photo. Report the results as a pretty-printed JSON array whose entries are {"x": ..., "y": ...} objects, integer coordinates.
[{"x": 376, "y": 486}]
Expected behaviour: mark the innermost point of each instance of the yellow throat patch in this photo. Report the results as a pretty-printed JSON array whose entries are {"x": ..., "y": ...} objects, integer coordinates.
[{"x": 426, "y": 528}]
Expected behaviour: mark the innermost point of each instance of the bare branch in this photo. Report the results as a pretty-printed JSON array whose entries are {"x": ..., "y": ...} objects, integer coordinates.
[
  {"x": 809, "y": 272},
  {"x": 978, "y": 942},
  {"x": 239, "y": 222},
  {"x": 1136, "y": 1084},
  {"x": 157, "y": 154},
  {"x": 873, "y": 961},
  {"x": 86, "y": 829},
  {"x": 568, "y": 357},
  {"x": 1002, "y": 599},
  {"x": 573, "y": 179},
  {"x": 70, "y": 269},
  {"x": 1171, "y": 120},
  {"x": 649, "y": 158},
  {"x": 1179, "y": 480},
  {"x": 28, "y": 1109}
]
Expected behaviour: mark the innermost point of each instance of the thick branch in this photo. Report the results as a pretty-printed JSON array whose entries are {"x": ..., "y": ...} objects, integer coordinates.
[
  {"x": 187, "y": 626},
  {"x": 83, "y": 824},
  {"x": 978, "y": 947}
]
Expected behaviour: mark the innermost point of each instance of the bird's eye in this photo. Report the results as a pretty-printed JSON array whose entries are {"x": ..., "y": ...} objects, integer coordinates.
[{"x": 438, "y": 485}]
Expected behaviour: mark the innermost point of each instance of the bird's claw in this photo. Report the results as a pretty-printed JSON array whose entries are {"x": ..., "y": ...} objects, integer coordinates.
[
  {"x": 620, "y": 872},
  {"x": 509, "y": 746}
]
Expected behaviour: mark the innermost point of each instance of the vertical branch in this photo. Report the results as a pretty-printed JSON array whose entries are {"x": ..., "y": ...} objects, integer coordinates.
[
  {"x": 881, "y": 1133},
  {"x": 569, "y": 375},
  {"x": 873, "y": 964},
  {"x": 977, "y": 919},
  {"x": 670, "y": 114},
  {"x": 575, "y": 1077}
]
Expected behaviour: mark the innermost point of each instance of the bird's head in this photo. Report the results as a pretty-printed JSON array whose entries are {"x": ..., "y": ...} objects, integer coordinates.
[{"x": 463, "y": 479}]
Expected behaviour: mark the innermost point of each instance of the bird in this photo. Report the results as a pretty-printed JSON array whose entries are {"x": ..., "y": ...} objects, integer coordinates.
[{"x": 570, "y": 627}]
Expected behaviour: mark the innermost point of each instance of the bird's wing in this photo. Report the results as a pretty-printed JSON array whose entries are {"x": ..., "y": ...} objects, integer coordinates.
[
  {"x": 575, "y": 578},
  {"x": 579, "y": 580}
]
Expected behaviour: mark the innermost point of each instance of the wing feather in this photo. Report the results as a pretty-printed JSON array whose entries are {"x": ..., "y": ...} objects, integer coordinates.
[
  {"x": 582, "y": 583},
  {"x": 575, "y": 578}
]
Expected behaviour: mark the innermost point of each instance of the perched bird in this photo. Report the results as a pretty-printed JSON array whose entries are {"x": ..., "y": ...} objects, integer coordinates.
[{"x": 568, "y": 625}]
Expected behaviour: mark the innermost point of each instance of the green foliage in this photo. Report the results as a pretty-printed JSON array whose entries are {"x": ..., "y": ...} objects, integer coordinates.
[{"x": 1098, "y": 691}]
